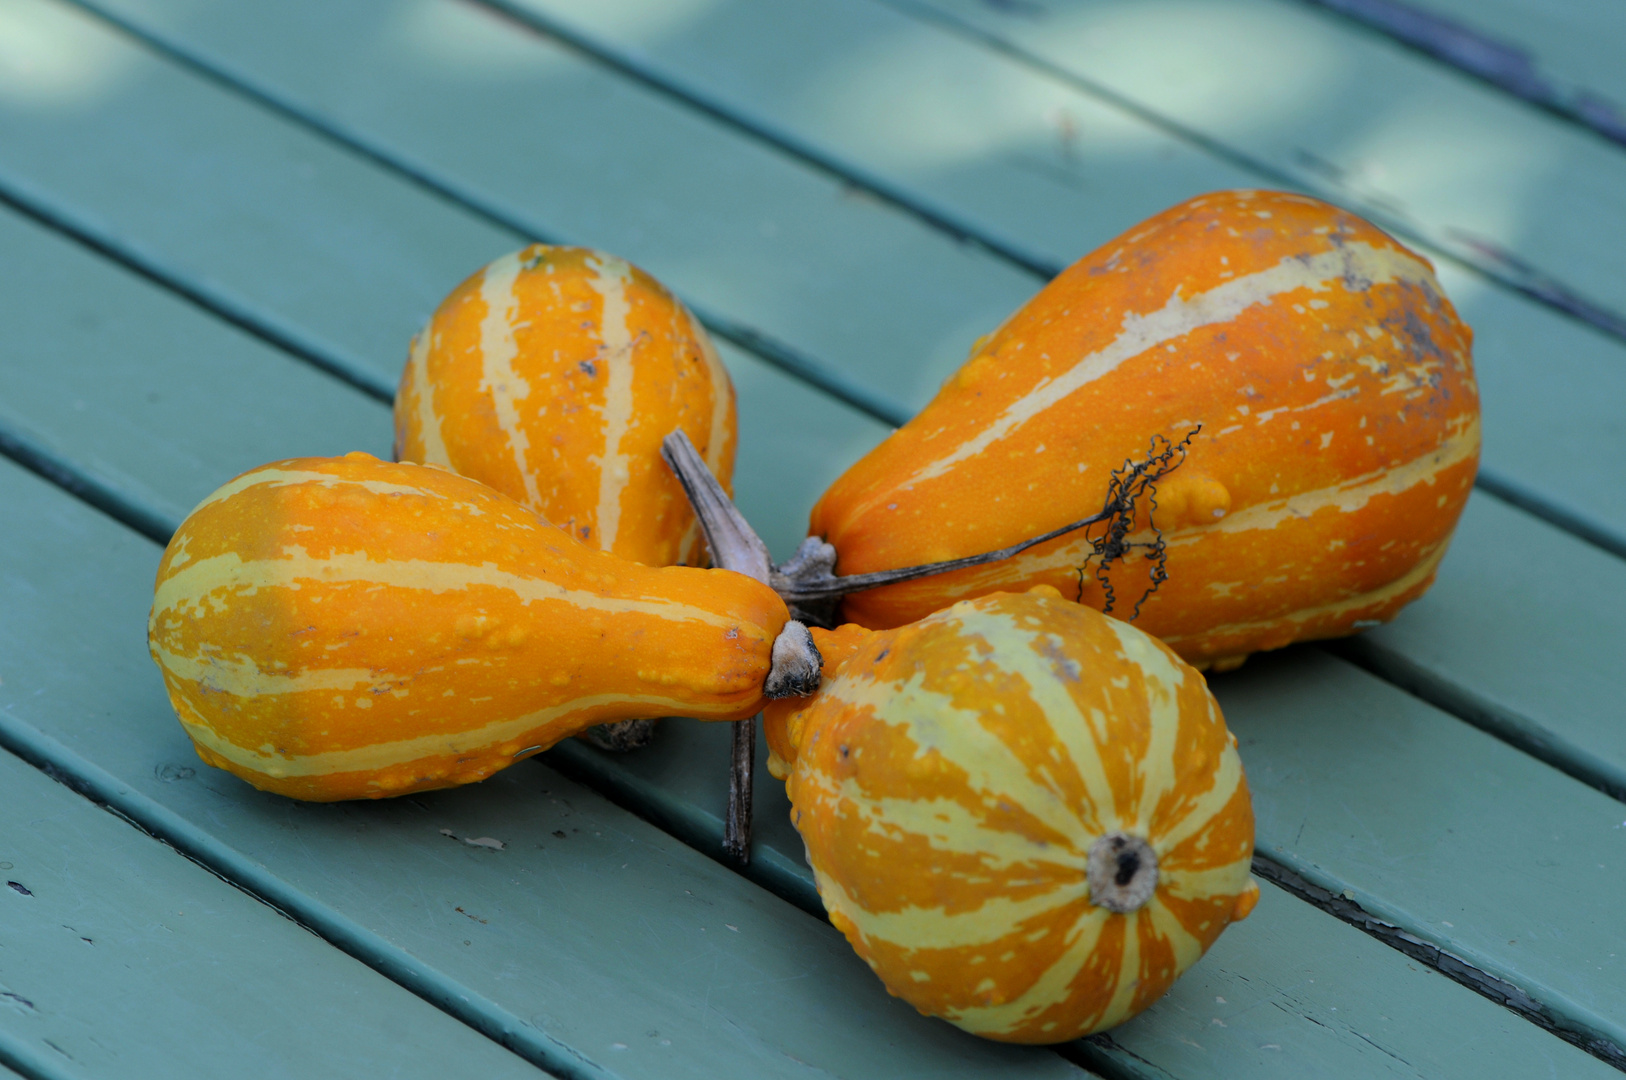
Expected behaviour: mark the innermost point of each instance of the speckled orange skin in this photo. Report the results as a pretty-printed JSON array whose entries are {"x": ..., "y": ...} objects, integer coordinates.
[
  {"x": 950, "y": 778},
  {"x": 1340, "y": 432},
  {"x": 339, "y": 628},
  {"x": 560, "y": 397}
]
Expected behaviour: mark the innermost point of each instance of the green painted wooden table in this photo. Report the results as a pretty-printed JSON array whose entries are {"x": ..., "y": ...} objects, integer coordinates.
[{"x": 221, "y": 222}]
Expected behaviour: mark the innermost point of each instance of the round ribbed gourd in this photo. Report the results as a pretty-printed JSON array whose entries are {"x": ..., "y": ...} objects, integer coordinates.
[
  {"x": 552, "y": 375},
  {"x": 1027, "y": 817},
  {"x": 338, "y": 628},
  {"x": 1333, "y": 386}
]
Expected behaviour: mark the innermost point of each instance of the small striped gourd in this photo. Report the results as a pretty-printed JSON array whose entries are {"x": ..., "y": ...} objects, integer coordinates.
[
  {"x": 338, "y": 628},
  {"x": 553, "y": 375},
  {"x": 1339, "y": 434},
  {"x": 1026, "y": 817}
]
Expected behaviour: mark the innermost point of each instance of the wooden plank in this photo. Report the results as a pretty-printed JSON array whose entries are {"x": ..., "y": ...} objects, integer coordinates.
[
  {"x": 726, "y": 222},
  {"x": 1051, "y": 170},
  {"x": 1252, "y": 1006},
  {"x": 1561, "y": 54},
  {"x": 339, "y": 867},
  {"x": 1531, "y": 654},
  {"x": 616, "y": 948},
  {"x": 1438, "y": 829},
  {"x": 119, "y": 958}
]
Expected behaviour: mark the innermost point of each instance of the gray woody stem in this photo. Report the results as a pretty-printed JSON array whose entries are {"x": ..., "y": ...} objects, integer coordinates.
[{"x": 795, "y": 665}]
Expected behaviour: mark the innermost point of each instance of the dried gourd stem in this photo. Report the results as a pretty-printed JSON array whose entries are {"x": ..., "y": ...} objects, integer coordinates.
[
  {"x": 794, "y": 671},
  {"x": 808, "y": 580},
  {"x": 733, "y": 543}
]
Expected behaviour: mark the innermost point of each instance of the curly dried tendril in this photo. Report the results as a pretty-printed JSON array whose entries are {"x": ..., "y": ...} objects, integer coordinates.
[{"x": 1129, "y": 485}]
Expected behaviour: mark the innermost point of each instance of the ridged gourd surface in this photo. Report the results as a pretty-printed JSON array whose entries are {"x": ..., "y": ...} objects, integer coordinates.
[
  {"x": 1339, "y": 418},
  {"x": 951, "y": 778},
  {"x": 333, "y": 628},
  {"x": 552, "y": 375}
]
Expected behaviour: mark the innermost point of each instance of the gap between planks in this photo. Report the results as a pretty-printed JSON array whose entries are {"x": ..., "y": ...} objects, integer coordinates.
[{"x": 1495, "y": 63}]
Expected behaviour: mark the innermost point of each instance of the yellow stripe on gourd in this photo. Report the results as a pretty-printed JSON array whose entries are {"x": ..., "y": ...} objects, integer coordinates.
[
  {"x": 1157, "y": 764},
  {"x": 1197, "y": 884},
  {"x": 1024, "y": 653},
  {"x": 934, "y": 722},
  {"x": 244, "y": 678},
  {"x": 1227, "y": 778},
  {"x": 1352, "y": 495},
  {"x": 1412, "y": 579},
  {"x": 935, "y": 928},
  {"x": 193, "y": 584},
  {"x": 610, "y": 277},
  {"x": 1050, "y": 987},
  {"x": 418, "y": 385},
  {"x": 382, "y": 755},
  {"x": 497, "y": 352},
  {"x": 1180, "y": 317},
  {"x": 946, "y": 825},
  {"x": 276, "y": 477}
]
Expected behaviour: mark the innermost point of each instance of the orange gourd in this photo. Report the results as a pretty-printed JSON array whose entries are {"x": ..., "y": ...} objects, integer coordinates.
[
  {"x": 1026, "y": 817},
  {"x": 336, "y": 628},
  {"x": 553, "y": 375},
  {"x": 1339, "y": 417}
]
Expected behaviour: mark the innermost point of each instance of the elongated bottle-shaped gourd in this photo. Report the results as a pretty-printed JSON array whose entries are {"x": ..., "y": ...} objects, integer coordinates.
[
  {"x": 552, "y": 375},
  {"x": 338, "y": 628},
  {"x": 1339, "y": 434},
  {"x": 1027, "y": 817}
]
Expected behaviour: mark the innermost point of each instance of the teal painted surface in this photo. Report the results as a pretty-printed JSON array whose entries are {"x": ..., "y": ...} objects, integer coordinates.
[
  {"x": 1523, "y": 630},
  {"x": 123, "y": 959},
  {"x": 1053, "y": 170},
  {"x": 1575, "y": 45},
  {"x": 1437, "y": 828},
  {"x": 1292, "y": 993},
  {"x": 105, "y": 368},
  {"x": 636, "y": 955},
  {"x": 597, "y": 160}
]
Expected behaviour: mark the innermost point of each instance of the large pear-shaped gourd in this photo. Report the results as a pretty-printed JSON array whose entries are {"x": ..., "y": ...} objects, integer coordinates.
[
  {"x": 1028, "y": 818},
  {"x": 1339, "y": 433},
  {"x": 553, "y": 375},
  {"x": 337, "y": 628}
]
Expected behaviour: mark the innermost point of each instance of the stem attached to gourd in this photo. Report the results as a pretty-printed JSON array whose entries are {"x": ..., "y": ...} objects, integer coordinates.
[
  {"x": 794, "y": 670},
  {"x": 807, "y": 582},
  {"x": 1122, "y": 872}
]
